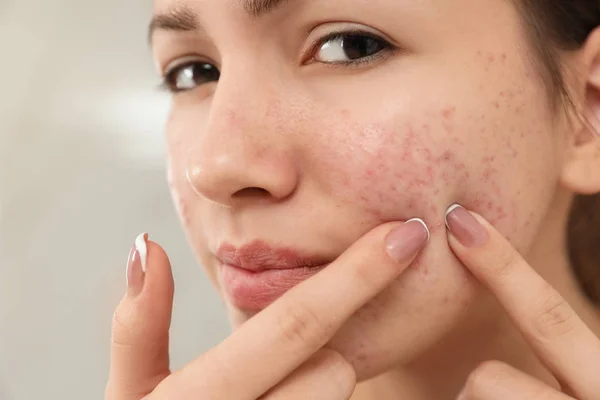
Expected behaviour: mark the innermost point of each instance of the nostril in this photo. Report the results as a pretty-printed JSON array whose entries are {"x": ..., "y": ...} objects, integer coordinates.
[{"x": 251, "y": 192}]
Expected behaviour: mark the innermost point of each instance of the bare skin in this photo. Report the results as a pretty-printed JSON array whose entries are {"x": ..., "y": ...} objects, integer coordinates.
[{"x": 279, "y": 142}]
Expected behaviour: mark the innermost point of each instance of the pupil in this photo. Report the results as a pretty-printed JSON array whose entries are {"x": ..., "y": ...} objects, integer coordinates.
[
  {"x": 358, "y": 46},
  {"x": 205, "y": 73}
]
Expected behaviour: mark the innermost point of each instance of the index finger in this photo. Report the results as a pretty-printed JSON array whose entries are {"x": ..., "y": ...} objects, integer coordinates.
[
  {"x": 562, "y": 341},
  {"x": 275, "y": 342}
]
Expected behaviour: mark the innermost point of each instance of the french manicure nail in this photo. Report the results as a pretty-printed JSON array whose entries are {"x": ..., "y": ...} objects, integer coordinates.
[
  {"x": 136, "y": 265},
  {"x": 405, "y": 241},
  {"x": 465, "y": 227},
  {"x": 142, "y": 248}
]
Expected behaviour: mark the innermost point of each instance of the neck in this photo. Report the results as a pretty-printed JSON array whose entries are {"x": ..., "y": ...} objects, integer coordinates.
[{"x": 489, "y": 334}]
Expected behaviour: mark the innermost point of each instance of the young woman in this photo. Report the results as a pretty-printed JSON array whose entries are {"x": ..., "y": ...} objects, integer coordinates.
[{"x": 396, "y": 200}]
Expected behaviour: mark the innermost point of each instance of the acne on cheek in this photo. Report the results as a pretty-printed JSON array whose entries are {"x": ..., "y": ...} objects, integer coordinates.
[
  {"x": 415, "y": 176},
  {"x": 409, "y": 171}
]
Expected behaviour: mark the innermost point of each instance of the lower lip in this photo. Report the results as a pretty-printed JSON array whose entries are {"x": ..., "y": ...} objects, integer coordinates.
[{"x": 256, "y": 290}]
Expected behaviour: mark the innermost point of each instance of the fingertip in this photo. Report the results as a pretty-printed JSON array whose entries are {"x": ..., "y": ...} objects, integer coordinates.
[
  {"x": 466, "y": 227},
  {"x": 159, "y": 276}
]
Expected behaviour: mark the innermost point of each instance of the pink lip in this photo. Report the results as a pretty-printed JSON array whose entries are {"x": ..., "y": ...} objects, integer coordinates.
[{"x": 255, "y": 275}]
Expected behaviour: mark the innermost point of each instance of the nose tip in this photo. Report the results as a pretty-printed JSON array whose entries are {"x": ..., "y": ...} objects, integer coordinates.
[{"x": 233, "y": 182}]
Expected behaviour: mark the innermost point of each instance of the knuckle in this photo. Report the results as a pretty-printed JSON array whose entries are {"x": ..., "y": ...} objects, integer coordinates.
[
  {"x": 506, "y": 264},
  {"x": 300, "y": 325},
  {"x": 483, "y": 378},
  {"x": 122, "y": 330},
  {"x": 554, "y": 320},
  {"x": 342, "y": 372}
]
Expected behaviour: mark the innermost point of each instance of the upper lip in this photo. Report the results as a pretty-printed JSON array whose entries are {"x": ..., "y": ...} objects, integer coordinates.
[{"x": 259, "y": 256}]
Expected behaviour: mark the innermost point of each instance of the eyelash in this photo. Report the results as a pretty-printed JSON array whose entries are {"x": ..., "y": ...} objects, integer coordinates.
[{"x": 387, "y": 50}]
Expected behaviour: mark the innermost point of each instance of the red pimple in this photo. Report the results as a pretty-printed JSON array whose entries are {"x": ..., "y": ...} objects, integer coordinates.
[
  {"x": 449, "y": 112},
  {"x": 491, "y": 57},
  {"x": 487, "y": 174},
  {"x": 430, "y": 173}
]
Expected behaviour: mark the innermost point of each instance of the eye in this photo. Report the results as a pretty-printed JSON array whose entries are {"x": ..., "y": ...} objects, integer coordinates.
[
  {"x": 348, "y": 48},
  {"x": 190, "y": 75}
]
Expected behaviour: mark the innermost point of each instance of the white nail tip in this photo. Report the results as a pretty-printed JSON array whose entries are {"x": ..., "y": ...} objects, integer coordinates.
[
  {"x": 450, "y": 209},
  {"x": 422, "y": 223},
  {"x": 142, "y": 248}
]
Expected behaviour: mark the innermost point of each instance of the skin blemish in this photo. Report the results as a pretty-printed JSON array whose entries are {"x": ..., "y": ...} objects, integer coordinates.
[
  {"x": 487, "y": 174},
  {"x": 445, "y": 157},
  {"x": 449, "y": 112},
  {"x": 428, "y": 155}
]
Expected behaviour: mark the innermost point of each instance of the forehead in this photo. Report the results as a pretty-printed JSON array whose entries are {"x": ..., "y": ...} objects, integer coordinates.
[{"x": 453, "y": 11}]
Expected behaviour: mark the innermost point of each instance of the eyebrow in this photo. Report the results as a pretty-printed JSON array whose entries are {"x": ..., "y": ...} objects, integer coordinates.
[
  {"x": 181, "y": 19},
  {"x": 257, "y": 8},
  {"x": 184, "y": 19}
]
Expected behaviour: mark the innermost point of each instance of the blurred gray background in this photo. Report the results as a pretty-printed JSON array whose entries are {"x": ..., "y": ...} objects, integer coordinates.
[{"x": 81, "y": 174}]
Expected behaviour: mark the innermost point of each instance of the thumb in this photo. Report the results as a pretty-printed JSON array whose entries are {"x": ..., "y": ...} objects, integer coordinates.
[{"x": 140, "y": 333}]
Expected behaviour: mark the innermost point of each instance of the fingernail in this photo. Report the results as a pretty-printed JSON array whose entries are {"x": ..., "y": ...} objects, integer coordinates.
[
  {"x": 142, "y": 248},
  {"x": 465, "y": 227},
  {"x": 404, "y": 242},
  {"x": 136, "y": 265}
]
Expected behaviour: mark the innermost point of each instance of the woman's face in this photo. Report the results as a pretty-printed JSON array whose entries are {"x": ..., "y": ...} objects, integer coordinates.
[{"x": 297, "y": 131}]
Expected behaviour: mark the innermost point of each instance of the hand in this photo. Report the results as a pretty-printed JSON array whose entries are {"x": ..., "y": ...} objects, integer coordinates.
[
  {"x": 560, "y": 339},
  {"x": 277, "y": 354}
]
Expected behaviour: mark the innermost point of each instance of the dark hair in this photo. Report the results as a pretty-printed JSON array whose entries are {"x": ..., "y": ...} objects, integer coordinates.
[{"x": 555, "y": 26}]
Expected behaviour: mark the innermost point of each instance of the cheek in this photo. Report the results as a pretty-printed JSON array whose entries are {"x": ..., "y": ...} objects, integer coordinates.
[
  {"x": 400, "y": 170},
  {"x": 417, "y": 166},
  {"x": 181, "y": 190}
]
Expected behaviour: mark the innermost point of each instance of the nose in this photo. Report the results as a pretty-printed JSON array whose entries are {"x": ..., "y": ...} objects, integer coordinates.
[{"x": 242, "y": 156}]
